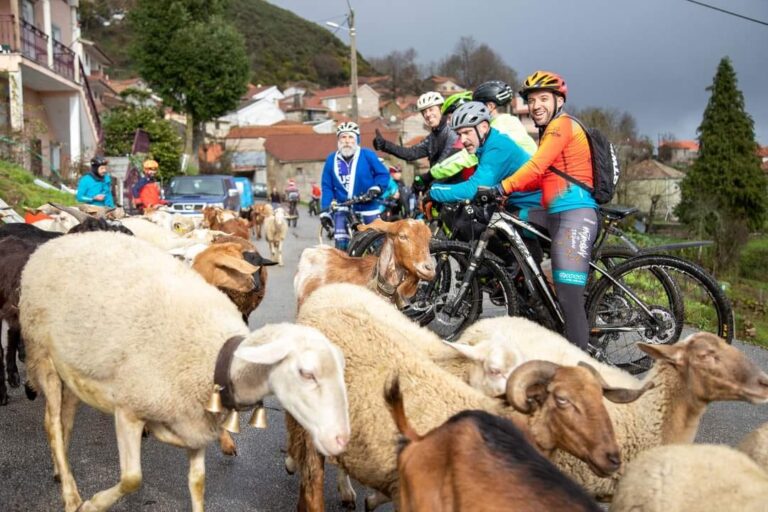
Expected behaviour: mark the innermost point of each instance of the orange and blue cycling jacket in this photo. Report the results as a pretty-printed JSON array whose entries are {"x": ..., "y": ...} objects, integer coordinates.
[{"x": 565, "y": 146}]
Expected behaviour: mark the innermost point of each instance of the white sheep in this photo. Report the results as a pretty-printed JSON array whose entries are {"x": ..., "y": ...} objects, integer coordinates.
[
  {"x": 147, "y": 355},
  {"x": 755, "y": 444},
  {"x": 686, "y": 478},
  {"x": 378, "y": 340},
  {"x": 275, "y": 229},
  {"x": 688, "y": 375}
]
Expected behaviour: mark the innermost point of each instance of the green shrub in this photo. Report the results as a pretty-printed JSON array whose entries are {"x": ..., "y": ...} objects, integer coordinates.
[{"x": 754, "y": 259}]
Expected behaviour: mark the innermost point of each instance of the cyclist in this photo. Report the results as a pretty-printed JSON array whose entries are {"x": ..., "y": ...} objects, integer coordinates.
[
  {"x": 352, "y": 171},
  {"x": 95, "y": 188},
  {"x": 569, "y": 212},
  {"x": 314, "y": 203},
  {"x": 436, "y": 146},
  {"x": 496, "y": 94}
]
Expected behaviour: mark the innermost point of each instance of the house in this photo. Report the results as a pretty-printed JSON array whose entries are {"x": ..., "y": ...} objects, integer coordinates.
[
  {"x": 445, "y": 85},
  {"x": 519, "y": 108},
  {"x": 45, "y": 95},
  {"x": 678, "y": 151},
  {"x": 339, "y": 99},
  {"x": 651, "y": 181},
  {"x": 762, "y": 152},
  {"x": 302, "y": 109},
  {"x": 256, "y": 112},
  {"x": 302, "y": 156},
  {"x": 145, "y": 97}
]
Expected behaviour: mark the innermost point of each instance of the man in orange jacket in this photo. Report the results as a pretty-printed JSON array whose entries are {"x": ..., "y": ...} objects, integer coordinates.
[{"x": 146, "y": 192}]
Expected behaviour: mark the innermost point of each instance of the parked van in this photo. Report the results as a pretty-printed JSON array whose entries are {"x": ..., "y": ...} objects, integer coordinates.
[
  {"x": 245, "y": 188},
  {"x": 190, "y": 194}
]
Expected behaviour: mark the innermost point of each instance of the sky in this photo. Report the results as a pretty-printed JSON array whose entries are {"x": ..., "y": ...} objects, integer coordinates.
[{"x": 651, "y": 58}]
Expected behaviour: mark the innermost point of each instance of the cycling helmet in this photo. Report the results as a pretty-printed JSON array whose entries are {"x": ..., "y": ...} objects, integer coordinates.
[
  {"x": 494, "y": 91},
  {"x": 429, "y": 99},
  {"x": 470, "y": 114},
  {"x": 98, "y": 161},
  {"x": 150, "y": 165},
  {"x": 454, "y": 101},
  {"x": 544, "y": 81},
  {"x": 349, "y": 126}
]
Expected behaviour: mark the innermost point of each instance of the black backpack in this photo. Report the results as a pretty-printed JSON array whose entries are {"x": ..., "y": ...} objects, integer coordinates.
[{"x": 605, "y": 166}]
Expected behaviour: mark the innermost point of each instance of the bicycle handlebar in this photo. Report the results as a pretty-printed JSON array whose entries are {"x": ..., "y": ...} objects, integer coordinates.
[{"x": 362, "y": 198}]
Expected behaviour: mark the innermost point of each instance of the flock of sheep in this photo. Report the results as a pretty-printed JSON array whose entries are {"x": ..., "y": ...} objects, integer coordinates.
[{"x": 510, "y": 417}]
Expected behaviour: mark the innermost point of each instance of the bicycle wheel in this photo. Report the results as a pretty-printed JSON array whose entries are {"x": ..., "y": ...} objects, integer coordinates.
[
  {"x": 681, "y": 297},
  {"x": 365, "y": 242},
  {"x": 429, "y": 306}
]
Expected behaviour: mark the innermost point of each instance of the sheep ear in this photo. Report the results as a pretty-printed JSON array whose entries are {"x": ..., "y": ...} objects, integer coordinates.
[
  {"x": 670, "y": 353},
  {"x": 268, "y": 353},
  {"x": 468, "y": 351}
]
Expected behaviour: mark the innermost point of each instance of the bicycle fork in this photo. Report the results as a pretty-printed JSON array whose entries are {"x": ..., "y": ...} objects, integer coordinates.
[{"x": 452, "y": 304}]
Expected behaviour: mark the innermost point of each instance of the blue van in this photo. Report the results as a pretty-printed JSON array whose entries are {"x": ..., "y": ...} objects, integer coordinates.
[
  {"x": 245, "y": 187},
  {"x": 190, "y": 194}
]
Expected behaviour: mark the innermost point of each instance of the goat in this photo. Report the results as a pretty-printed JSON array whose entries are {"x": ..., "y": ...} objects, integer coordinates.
[
  {"x": 477, "y": 461},
  {"x": 158, "y": 372},
  {"x": 395, "y": 273},
  {"x": 275, "y": 229},
  {"x": 259, "y": 212}
]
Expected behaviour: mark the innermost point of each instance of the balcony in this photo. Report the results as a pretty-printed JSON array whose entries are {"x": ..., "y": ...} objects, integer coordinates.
[
  {"x": 7, "y": 33},
  {"x": 63, "y": 61},
  {"x": 34, "y": 43}
]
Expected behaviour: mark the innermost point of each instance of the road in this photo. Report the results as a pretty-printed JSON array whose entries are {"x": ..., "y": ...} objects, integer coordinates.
[{"x": 254, "y": 480}]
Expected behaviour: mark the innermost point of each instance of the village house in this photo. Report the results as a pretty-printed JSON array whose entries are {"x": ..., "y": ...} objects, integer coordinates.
[
  {"x": 46, "y": 99},
  {"x": 651, "y": 186},
  {"x": 445, "y": 85},
  {"x": 678, "y": 151}
]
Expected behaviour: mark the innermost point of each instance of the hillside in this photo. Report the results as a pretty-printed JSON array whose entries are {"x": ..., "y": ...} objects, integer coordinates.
[
  {"x": 282, "y": 46},
  {"x": 17, "y": 188}
]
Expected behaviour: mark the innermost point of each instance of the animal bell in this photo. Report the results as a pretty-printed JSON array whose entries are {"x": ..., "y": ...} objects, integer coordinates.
[
  {"x": 232, "y": 422},
  {"x": 259, "y": 417},
  {"x": 214, "y": 403}
]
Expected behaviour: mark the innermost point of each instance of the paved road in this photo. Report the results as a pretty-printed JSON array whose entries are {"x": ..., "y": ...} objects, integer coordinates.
[{"x": 253, "y": 481}]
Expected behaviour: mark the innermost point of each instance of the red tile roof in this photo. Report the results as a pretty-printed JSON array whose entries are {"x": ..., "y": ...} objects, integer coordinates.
[
  {"x": 260, "y": 132},
  {"x": 312, "y": 148},
  {"x": 253, "y": 90},
  {"x": 762, "y": 152},
  {"x": 690, "y": 145}
]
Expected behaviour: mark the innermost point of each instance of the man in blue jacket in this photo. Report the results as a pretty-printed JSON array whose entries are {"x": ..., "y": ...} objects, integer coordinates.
[
  {"x": 96, "y": 187},
  {"x": 351, "y": 171}
]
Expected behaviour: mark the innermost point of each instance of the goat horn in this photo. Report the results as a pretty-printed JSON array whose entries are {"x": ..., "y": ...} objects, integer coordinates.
[
  {"x": 523, "y": 378},
  {"x": 617, "y": 395},
  {"x": 80, "y": 216}
]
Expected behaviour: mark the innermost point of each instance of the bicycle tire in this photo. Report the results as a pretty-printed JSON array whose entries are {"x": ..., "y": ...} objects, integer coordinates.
[
  {"x": 675, "y": 308},
  {"x": 490, "y": 278},
  {"x": 365, "y": 242}
]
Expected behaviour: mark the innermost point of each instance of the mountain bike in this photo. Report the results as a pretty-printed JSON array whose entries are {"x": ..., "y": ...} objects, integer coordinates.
[{"x": 354, "y": 219}]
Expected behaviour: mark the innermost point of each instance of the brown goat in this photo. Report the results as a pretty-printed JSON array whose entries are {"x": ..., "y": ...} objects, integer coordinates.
[
  {"x": 259, "y": 212},
  {"x": 226, "y": 221},
  {"x": 395, "y": 273},
  {"x": 477, "y": 461}
]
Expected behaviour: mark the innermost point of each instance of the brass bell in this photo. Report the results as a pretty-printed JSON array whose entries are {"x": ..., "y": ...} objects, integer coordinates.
[
  {"x": 259, "y": 417},
  {"x": 232, "y": 422},
  {"x": 214, "y": 403}
]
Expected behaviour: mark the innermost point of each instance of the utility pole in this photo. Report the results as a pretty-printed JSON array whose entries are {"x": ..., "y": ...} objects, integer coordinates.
[{"x": 353, "y": 48}]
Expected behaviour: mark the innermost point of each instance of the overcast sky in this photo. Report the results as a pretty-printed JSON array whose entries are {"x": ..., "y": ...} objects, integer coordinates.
[{"x": 652, "y": 58}]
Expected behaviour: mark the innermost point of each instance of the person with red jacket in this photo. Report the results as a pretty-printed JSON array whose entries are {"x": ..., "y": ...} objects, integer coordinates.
[{"x": 146, "y": 191}]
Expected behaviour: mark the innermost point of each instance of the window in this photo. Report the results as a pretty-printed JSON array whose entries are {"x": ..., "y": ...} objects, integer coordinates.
[
  {"x": 56, "y": 33},
  {"x": 28, "y": 12},
  {"x": 299, "y": 171}
]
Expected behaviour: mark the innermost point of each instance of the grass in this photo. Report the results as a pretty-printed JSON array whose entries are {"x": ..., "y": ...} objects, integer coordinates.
[{"x": 17, "y": 188}]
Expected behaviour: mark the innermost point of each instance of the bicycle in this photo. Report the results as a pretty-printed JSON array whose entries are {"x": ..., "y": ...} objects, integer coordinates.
[{"x": 354, "y": 219}]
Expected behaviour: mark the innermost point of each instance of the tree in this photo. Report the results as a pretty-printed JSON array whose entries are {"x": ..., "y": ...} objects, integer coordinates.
[
  {"x": 191, "y": 57},
  {"x": 472, "y": 64},
  {"x": 165, "y": 145},
  {"x": 724, "y": 192},
  {"x": 402, "y": 71}
]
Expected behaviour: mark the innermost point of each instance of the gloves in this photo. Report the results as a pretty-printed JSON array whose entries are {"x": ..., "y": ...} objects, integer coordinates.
[
  {"x": 491, "y": 195},
  {"x": 379, "y": 142},
  {"x": 374, "y": 191},
  {"x": 421, "y": 183}
]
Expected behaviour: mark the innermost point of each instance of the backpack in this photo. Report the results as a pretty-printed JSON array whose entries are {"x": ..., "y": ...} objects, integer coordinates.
[
  {"x": 293, "y": 195},
  {"x": 605, "y": 166}
]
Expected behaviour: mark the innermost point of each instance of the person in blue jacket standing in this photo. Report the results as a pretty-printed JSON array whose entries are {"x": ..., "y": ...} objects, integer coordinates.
[
  {"x": 351, "y": 171},
  {"x": 95, "y": 188}
]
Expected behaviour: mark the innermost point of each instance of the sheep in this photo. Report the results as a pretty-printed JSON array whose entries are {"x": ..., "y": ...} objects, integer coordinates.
[
  {"x": 688, "y": 375},
  {"x": 157, "y": 236},
  {"x": 259, "y": 212},
  {"x": 148, "y": 357},
  {"x": 275, "y": 229},
  {"x": 395, "y": 273},
  {"x": 755, "y": 444},
  {"x": 682, "y": 478},
  {"x": 370, "y": 332},
  {"x": 477, "y": 461}
]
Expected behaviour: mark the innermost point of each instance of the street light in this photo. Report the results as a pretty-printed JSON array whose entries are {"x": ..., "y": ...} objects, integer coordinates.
[{"x": 353, "y": 49}]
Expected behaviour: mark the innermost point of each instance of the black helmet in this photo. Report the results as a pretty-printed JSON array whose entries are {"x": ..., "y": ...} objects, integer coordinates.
[
  {"x": 98, "y": 161},
  {"x": 495, "y": 91}
]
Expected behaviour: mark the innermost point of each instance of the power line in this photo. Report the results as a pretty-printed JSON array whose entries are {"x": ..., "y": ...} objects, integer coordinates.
[{"x": 728, "y": 12}]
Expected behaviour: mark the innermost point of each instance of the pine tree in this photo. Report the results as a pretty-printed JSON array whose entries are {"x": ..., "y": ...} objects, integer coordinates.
[{"x": 724, "y": 192}]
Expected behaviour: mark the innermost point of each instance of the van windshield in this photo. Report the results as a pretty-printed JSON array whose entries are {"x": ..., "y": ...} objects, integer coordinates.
[{"x": 197, "y": 187}]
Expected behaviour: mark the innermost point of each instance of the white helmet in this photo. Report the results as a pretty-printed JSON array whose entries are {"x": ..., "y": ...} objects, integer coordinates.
[
  {"x": 429, "y": 99},
  {"x": 349, "y": 126}
]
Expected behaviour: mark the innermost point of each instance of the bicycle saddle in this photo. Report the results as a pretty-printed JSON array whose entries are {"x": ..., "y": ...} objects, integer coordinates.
[{"x": 617, "y": 212}]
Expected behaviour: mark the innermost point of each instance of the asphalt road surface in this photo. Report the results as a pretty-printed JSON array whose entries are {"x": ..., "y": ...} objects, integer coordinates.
[{"x": 255, "y": 480}]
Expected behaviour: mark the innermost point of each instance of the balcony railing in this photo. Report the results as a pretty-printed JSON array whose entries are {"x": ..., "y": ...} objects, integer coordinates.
[
  {"x": 7, "y": 33},
  {"x": 91, "y": 104},
  {"x": 63, "y": 60},
  {"x": 34, "y": 43}
]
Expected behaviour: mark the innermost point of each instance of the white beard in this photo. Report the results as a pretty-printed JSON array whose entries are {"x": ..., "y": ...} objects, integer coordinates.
[{"x": 347, "y": 151}]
